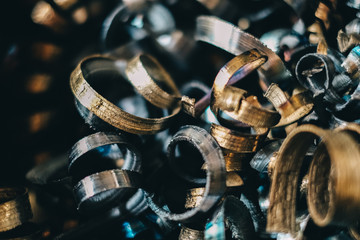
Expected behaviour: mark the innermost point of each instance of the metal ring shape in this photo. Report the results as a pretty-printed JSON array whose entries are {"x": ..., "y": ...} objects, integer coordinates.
[
  {"x": 332, "y": 182},
  {"x": 99, "y": 139},
  {"x": 291, "y": 110},
  {"x": 232, "y": 100},
  {"x": 227, "y": 36},
  {"x": 98, "y": 109},
  {"x": 330, "y": 179},
  {"x": 250, "y": 112},
  {"x": 105, "y": 186},
  {"x": 203, "y": 142},
  {"x": 232, "y": 72},
  {"x": 281, "y": 212},
  {"x": 237, "y": 141},
  {"x": 215, "y": 177},
  {"x": 321, "y": 84},
  {"x": 144, "y": 71}
]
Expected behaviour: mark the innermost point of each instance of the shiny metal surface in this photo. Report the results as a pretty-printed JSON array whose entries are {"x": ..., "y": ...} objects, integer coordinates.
[
  {"x": 110, "y": 181},
  {"x": 15, "y": 208},
  {"x": 96, "y": 105},
  {"x": 235, "y": 102},
  {"x": 330, "y": 179},
  {"x": 215, "y": 174},
  {"x": 237, "y": 141},
  {"x": 224, "y": 35},
  {"x": 147, "y": 75},
  {"x": 321, "y": 85},
  {"x": 190, "y": 234},
  {"x": 93, "y": 141},
  {"x": 291, "y": 109},
  {"x": 229, "y": 74}
]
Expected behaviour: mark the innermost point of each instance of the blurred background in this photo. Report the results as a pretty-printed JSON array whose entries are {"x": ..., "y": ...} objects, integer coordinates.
[{"x": 42, "y": 41}]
